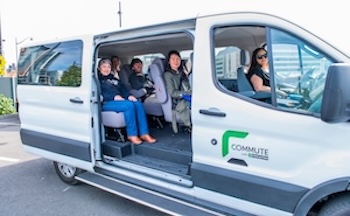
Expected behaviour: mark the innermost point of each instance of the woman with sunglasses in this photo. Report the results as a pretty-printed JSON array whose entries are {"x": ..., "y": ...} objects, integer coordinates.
[{"x": 258, "y": 73}]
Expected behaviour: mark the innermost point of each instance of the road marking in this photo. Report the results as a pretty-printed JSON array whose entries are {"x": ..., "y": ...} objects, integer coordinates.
[
  {"x": 66, "y": 189},
  {"x": 9, "y": 159},
  {"x": 9, "y": 123}
]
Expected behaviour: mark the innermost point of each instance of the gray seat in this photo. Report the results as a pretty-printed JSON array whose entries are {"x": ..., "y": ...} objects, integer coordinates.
[
  {"x": 162, "y": 93},
  {"x": 158, "y": 61},
  {"x": 190, "y": 64},
  {"x": 114, "y": 120},
  {"x": 124, "y": 75}
]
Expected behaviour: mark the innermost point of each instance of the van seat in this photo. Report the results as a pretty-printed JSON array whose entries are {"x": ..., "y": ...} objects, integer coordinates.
[
  {"x": 116, "y": 121},
  {"x": 162, "y": 93}
]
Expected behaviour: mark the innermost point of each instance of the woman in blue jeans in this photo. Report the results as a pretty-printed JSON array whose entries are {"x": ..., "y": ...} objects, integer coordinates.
[{"x": 117, "y": 98}]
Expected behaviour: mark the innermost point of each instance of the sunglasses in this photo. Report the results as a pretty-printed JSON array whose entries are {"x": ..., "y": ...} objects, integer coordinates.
[{"x": 261, "y": 56}]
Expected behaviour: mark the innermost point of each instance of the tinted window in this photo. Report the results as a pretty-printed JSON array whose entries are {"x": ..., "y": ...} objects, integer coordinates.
[
  {"x": 300, "y": 71},
  {"x": 55, "y": 64},
  {"x": 147, "y": 60}
]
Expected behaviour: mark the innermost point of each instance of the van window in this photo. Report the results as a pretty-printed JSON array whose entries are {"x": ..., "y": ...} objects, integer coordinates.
[
  {"x": 296, "y": 67},
  {"x": 147, "y": 60},
  {"x": 54, "y": 64},
  {"x": 300, "y": 70},
  {"x": 232, "y": 46}
]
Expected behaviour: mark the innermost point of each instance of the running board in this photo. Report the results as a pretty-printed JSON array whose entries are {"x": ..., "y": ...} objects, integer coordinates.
[{"x": 155, "y": 200}]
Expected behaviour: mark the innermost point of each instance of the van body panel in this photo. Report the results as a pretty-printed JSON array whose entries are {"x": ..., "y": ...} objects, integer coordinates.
[
  {"x": 262, "y": 126},
  {"x": 58, "y": 118},
  {"x": 247, "y": 187},
  {"x": 55, "y": 144}
]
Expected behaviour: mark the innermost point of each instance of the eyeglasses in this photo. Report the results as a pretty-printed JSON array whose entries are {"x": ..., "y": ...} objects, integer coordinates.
[{"x": 261, "y": 56}]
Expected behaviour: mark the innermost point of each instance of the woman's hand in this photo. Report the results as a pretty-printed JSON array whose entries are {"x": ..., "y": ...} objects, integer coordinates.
[
  {"x": 132, "y": 98},
  {"x": 118, "y": 97},
  {"x": 282, "y": 93}
]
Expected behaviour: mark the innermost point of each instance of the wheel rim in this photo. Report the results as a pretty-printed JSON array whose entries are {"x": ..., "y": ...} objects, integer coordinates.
[{"x": 66, "y": 170}]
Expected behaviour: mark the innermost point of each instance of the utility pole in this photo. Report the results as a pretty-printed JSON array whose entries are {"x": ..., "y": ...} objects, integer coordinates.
[
  {"x": 120, "y": 15},
  {"x": 17, "y": 43}
]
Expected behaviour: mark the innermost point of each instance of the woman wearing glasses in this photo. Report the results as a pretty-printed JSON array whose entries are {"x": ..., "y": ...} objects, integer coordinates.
[{"x": 258, "y": 73}]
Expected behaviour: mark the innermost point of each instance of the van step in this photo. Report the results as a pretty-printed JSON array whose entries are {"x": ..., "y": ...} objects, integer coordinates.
[
  {"x": 116, "y": 149},
  {"x": 167, "y": 166},
  {"x": 144, "y": 196},
  {"x": 162, "y": 152}
]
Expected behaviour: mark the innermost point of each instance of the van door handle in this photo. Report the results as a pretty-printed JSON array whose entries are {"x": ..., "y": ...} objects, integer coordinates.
[
  {"x": 212, "y": 113},
  {"x": 76, "y": 100}
]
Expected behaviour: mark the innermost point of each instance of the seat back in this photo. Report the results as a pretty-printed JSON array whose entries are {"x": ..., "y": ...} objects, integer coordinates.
[
  {"x": 161, "y": 91},
  {"x": 242, "y": 81},
  {"x": 124, "y": 75},
  {"x": 189, "y": 68},
  {"x": 158, "y": 61},
  {"x": 245, "y": 59}
]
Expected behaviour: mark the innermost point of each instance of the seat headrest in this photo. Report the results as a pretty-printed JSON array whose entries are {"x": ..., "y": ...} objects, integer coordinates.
[
  {"x": 159, "y": 61},
  {"x": 245, "y": 57},
  {"x": 125, "y": 73}
]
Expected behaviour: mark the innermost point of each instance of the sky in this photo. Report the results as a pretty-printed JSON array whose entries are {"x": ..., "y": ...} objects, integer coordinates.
[{"x": 45, "y": 20}]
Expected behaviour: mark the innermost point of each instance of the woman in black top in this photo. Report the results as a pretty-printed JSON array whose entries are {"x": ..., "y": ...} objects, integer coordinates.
[{"x": 258, "y": 73}]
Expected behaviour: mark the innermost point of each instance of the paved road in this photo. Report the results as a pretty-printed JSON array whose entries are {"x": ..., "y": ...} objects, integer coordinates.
[
  {"x": 11, "y": 149},
  {"x": 29, "y": 186}
]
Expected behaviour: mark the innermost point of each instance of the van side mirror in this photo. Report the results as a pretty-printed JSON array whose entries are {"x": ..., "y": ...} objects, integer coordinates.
[{"x": 336, "y": 96}]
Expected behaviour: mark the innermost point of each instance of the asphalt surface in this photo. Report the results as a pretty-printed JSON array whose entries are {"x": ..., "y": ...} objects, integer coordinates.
[{"x": 29, "y": 185}]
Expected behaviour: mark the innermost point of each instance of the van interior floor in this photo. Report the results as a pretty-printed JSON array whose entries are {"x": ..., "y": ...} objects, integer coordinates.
[{"x": 171, "y": 153}]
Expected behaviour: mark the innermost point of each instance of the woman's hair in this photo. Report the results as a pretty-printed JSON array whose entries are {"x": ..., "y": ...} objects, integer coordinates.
[
  {"x": 170, "y": 53},
  {"x": 104, "y": 60},
  {"x": 254, "y": 62},
  {"x": 117, "y": 57}
]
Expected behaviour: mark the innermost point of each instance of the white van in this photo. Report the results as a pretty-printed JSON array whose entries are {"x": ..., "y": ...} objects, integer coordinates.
[{"x": 244, "y": 156}]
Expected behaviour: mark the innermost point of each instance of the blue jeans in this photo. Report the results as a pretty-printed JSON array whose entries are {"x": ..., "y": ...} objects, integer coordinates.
[{"x": 134, "y": 114}]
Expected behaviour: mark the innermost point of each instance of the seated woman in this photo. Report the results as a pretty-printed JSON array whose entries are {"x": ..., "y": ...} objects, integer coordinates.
[
  {"x": 178, "y": 86},
  {"x": 116, "y": 98},
  {"x": 258, "y": 73}
]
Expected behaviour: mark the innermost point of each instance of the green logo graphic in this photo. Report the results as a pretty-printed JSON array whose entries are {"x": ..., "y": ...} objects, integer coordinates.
[{"x": 226, "y": 136}]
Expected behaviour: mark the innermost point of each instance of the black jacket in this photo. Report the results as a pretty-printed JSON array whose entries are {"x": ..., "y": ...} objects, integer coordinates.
[{"x": 111, "y": 87}]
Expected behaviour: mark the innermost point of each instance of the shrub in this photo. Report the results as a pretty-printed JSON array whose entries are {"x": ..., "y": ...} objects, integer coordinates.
[{"x": 6, "y": 105}]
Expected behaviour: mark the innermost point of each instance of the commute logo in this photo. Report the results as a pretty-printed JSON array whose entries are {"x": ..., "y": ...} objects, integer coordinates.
[{"x": 227, "y": 135}]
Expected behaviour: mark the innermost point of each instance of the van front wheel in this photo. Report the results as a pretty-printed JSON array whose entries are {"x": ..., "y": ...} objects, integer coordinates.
[
  {"x": 338, "y": 206},
  {"x": 67, "y": 173}
]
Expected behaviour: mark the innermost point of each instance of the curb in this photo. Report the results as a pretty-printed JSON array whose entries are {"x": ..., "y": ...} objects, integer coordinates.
[{"x": 9, "y": 116}]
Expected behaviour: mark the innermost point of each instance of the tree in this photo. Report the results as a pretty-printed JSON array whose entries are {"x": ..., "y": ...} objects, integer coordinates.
[
  {"x": 71, "y": 77},
  {"x": 2, "y": 65},
  {"x": 6, "y": 105}
]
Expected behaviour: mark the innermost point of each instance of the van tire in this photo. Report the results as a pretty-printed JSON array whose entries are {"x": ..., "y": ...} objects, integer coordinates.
[
  {"x": 67, "y": 173},
  {"x": 338, "y": 206}
]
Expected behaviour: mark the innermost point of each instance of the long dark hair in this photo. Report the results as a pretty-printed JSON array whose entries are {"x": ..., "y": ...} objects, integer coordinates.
[
  {"x": 171, "y": 52},
  {"x": 254, "y": 62}
]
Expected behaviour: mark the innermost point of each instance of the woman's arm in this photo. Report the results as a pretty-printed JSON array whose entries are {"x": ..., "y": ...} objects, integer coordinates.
[
  {"x": 171, "y": 85},
  {"x": 258, "y": 85}
]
